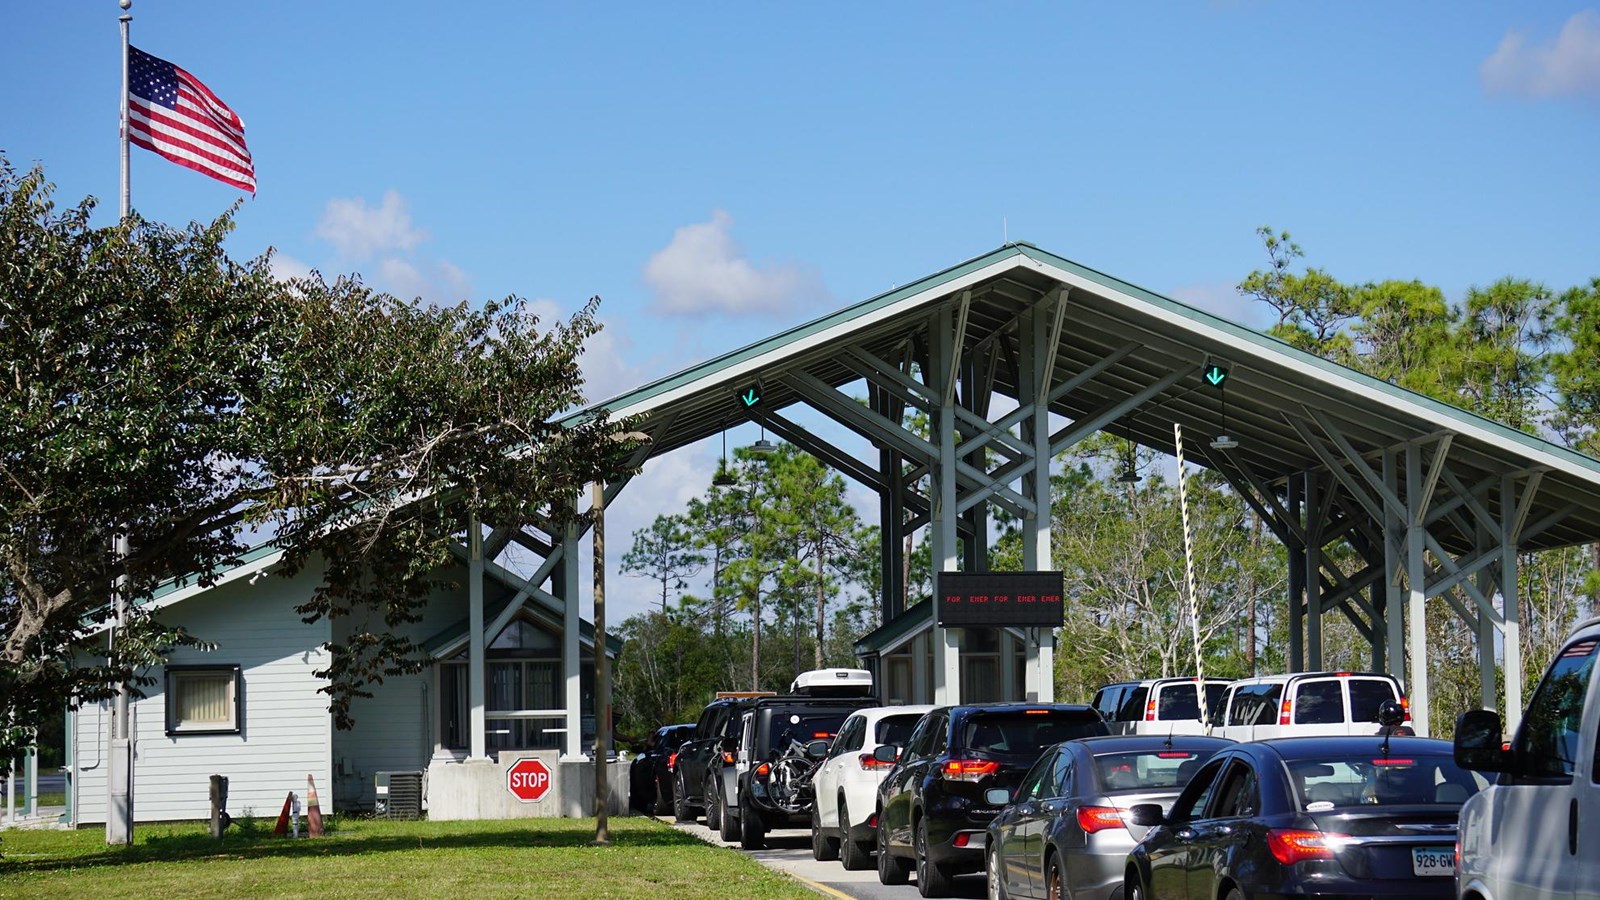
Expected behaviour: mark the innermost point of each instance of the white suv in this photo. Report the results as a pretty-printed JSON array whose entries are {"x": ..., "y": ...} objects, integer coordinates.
[
  {"x": 843, "y": 818},
  {"x": 1305, "y": 704},
  {"x": 1536, "y": 833},
  {"x": 1157, "y": 705}
]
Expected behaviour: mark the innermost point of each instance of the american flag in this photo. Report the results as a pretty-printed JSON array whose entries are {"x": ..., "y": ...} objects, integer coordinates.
[{"x": 171, "y": 113}]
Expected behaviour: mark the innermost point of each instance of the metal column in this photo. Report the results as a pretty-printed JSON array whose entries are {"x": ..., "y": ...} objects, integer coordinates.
[
  {"x": 1511, "y": 601},
  {"x": 475, "y": 667},
  {"x": 1416, "y": 579},
  {"x": 946, "y": 649}
]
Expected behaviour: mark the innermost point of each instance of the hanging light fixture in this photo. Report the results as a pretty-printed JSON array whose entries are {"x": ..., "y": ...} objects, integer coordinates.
[
  {"x": 763, "y": 447},
  {"x": 724, "y": 478},
  {"x": 1223, "y": 441}
]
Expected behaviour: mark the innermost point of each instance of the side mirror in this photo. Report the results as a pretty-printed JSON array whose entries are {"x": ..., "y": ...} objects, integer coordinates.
[
  {"x": 886, "y": 753},
  {"x": 817, "y": 749},
  {"x": 997, "y": 796},
  {"x": 1477, "y": 744},
  {"x": 1147, "y": 815}
]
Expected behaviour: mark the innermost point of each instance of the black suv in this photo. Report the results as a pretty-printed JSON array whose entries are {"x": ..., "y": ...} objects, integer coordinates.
[
  {"x": 650, "y": 777},
  {"x": 763, "y": 797},
  {"x": 698, "y": 771},
  {"x": 931, "y": 806}
]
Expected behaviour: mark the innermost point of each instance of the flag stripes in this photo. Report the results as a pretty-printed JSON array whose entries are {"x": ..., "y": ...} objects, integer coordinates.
[{"x": 171, "y": 113}]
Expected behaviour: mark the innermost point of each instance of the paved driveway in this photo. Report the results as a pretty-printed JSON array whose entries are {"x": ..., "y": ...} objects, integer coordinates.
[{"x": 789, "y": 850}]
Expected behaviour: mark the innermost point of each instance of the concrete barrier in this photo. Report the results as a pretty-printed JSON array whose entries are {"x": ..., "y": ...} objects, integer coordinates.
[{"x": 476, "y": 789}]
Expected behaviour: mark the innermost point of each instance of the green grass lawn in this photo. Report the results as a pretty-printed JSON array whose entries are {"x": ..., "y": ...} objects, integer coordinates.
[{"x": 367, "y": 858}]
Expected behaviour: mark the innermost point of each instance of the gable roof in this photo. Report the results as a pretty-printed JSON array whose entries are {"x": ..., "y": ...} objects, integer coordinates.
[{"x": 1148, "y": 336}]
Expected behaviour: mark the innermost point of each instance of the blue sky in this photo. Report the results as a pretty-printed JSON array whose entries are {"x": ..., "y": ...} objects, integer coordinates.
[{"x": 717, "y": 172}]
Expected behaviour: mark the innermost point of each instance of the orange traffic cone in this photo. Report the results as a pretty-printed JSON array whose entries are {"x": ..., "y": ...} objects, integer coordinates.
[
  {"x": 282, "y": 828},
  {"x": 313, "y": 811}
]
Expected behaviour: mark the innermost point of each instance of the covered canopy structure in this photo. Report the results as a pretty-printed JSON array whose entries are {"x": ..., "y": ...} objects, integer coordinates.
[{"x": 1017, "y": 355}]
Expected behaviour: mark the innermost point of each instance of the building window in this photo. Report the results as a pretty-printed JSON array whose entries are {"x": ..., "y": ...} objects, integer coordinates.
[{"x": 203, "y": 700}]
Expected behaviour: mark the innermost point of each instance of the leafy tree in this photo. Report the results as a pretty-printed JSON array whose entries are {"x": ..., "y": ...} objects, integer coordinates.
[
  {"x": 157, "y": 388},
  {"x": 1312, "y": 308},
  {"x": 664, "y": 552}
]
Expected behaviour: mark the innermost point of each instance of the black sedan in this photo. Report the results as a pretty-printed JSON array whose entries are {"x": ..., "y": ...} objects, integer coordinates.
[
  {"x": 650, "y": 775},
  {"x": 1065, "y": 832},
  {"x": 1318, "y": 816}
]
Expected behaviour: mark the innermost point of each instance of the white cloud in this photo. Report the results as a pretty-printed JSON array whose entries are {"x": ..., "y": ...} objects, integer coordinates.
[
  {"x": 704, "y": 270},
  {"x": 1222, "y": 298},
  {"x": 285, "y": 267},
  {"x": 359, "y": 232},
  {"x": 1567, "y": 65}
]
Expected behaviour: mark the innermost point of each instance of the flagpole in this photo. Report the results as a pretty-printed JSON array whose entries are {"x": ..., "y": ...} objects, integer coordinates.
[
  {"x": 124, "y": 19},
  {"x": 119, "y": 777}
]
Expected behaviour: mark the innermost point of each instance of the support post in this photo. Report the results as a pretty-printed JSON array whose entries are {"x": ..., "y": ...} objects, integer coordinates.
[
  {"x": 947, "y": 653},
  {"x": 1314, "y": 503},
  {"x": 475, "y": 648},
  {"x": 571, "y": 651},
  {"x": 1417, "y": 608},
  {"x": 1297, "y": 577},
  {"x": 1394, "y": 614},
  {"x": 1486, "y": 624},
  {"x": 1511, "y": 603},
  {"x": 119, "y": 774},
  {"x": 1038, "y": 359}
]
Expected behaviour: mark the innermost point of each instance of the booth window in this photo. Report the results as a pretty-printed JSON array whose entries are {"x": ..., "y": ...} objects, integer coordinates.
[{"x": 203, "y": 700}]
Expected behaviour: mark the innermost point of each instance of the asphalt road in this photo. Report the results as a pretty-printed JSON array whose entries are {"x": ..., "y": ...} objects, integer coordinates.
[{"x": 789, "y": 850}]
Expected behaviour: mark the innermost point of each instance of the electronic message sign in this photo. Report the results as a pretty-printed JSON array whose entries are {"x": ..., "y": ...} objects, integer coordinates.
[{"x": 995, "y": 599}]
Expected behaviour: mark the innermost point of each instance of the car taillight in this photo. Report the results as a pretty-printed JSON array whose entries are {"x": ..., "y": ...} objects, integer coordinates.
[
  {"x": 1291, "y": 845},
  {"x": 872, "y": 821},
  {"x": 870, "y": 763},
  {"x": 1150, "y": 710},
  {"x": 727, "y": 758},
  {"x": 1283, "y": 714},
  {"x": 763, "y": 770},
  {"x": 1406, "y": 705},
  {"x": 672, "y": 762},
  {"x": 1098, "y": 818},
  {"x": 968, "y": 769}
]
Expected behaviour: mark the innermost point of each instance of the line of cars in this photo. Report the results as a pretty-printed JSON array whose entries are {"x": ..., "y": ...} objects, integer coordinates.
[{"x": 1124, "y": 800}]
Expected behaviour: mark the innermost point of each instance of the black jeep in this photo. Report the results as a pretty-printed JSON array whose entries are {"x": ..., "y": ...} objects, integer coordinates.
[{"x": 780, "y": 742}]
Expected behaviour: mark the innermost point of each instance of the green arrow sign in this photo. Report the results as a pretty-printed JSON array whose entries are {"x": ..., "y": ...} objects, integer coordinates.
[
  {"x": 750, "y": 398},
  {"x": 1216, "y": 375}
]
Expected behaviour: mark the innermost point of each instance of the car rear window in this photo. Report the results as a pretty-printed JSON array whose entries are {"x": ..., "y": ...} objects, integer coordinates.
[
  {"x": 1366, "y": 695},
  {"x": 896, "y": 729},
  {"x": 1027, "y": 732},
  {"x": 1177, "y": 701},
  {"x": 1398, "y": 779},
  {"x": 1132, "y": 708},
  {"x": 799, "y": 725},
  {"x": 1318, "y": 703},
  {"x": 1148, "y": 769}
]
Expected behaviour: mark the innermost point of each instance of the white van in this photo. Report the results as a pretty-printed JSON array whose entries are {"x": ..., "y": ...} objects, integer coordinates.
[
  {"x": 1536, "y": 833},
  {"x": 1305, "y": 704},
  {"x": 1157, "y": 705}
]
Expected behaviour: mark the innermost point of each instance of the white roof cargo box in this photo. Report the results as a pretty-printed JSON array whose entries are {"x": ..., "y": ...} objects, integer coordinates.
[{"x": 833, "y": 683}]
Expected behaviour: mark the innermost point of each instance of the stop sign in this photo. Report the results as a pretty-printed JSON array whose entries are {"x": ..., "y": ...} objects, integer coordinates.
[{"x": 528, "y": 780}]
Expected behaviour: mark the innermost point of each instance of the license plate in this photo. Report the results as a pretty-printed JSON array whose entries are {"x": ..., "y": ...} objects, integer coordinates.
[{"x": 1431, "y": 861}]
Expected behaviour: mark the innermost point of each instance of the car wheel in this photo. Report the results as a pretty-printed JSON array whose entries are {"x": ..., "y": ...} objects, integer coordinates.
[
  {"x": 891, "y": 869},
  {"x": 727, "y": 825},
  {"x": 931, "y": 880},
  {"x": 991, "y": 868},
  {"x": 823, "y": 848},
  {"x": 666, "y": 800},
  {"x": 1132, "y": 886},
  {"x": 852, "y": 854},
  {"x": 713, "y": 811},
  {"x": 751, "y": 835},
  {"x": 1055, "y": 879},
  {"x": 1235, "y": 894},
  {"x": 680, "y": 802}
]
